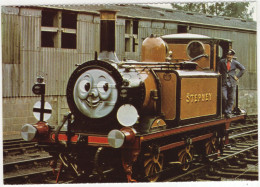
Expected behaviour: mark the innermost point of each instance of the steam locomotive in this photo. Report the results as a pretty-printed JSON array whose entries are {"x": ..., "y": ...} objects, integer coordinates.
[{"x": 133, "y": 119}]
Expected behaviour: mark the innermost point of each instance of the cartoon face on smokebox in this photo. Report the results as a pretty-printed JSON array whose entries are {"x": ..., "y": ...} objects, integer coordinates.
[{"x": 95, "y": 93}]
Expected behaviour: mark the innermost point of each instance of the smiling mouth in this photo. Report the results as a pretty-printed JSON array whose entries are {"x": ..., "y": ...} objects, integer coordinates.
[{"x": 93, "y": 102}]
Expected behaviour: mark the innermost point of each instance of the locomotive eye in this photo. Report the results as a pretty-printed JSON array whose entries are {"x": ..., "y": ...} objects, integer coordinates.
[
  {"x": 83, "y": 89},
  {"x": 87, "y": 86},
  {"x": 84, "y": 86},
  {"x": 102, "y": 86},
  {"x": 105, "y": 87}
]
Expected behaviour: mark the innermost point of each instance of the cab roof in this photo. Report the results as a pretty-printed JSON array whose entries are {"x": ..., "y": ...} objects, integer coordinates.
[{"x": 190, "y": 36}]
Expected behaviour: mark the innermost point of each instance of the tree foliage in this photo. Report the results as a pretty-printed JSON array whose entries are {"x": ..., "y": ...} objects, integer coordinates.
[{"x": 228, "y": 9}]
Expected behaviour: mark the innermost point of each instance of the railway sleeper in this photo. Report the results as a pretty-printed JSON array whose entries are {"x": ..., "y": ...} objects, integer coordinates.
[
  {"x": 251, "y": 121},
  {"x": 14, "y": 141},
  {"x": 25, "y": 175},
  {"x": 23, "y": 164},
  {"x": 250, "y": 160},
  {"x": 236, "y": 175},
  {"x": 181, "y": 176},
  {"x": 228, "y": 152},
  {"x": 246, "y": 144},
  {"x": 211, "y": 178},
  {"x": 252, "y": 156},
  {"x": 235, "y": 128},
  {"x": 234, "y": 150},
  {"x": 13, "y": 152},
  {"x": 242, "y": 146},
  {"x": 255, "y": 152},
  {"x": 18, "y": 144},
  {"x": 21, "y": 150},
  {"x": 244, "y": 135},
  {"x": 238, "y": 170},
  {"x": 235, "y": 162},
  {"x": 231, "y": 167}
]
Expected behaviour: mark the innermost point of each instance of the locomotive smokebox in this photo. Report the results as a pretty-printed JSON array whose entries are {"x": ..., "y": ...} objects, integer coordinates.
[{"x": 107, "y": 35}]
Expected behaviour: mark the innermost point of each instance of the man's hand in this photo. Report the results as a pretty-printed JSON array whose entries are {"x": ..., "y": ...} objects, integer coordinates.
[{"x": 236, "y": 78}]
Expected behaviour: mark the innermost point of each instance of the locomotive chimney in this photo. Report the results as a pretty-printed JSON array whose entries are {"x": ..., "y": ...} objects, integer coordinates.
[{"x": 107, "y": 35}]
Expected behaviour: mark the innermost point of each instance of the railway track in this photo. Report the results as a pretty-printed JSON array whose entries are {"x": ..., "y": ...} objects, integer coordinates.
[
  {"x": 238, "y": 164},
  {"x": 239, "y": 160},
  {"x": 26, "y": 163},
  {"x": 18, "y": 147}
]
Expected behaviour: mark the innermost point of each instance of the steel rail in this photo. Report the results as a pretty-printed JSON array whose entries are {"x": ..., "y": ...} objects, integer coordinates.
[
  {"x": 244, "y": 133},
  {"x": 234, "y": 154},
  {"x": 206, "y": 165}
]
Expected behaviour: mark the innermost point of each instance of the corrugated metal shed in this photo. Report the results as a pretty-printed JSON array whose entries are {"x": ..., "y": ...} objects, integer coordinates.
[
  {"x": 144, "y": 12},
  {"x": 10, "y": 51},
  {"x": 24, "y": 58}
]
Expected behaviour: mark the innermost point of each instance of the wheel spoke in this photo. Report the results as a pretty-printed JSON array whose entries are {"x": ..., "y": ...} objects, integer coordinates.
[
  {"x": 148, "y": 168},
  {"x": 190, "y": 156},
  {"x": 208, "y": 150},
  {"x": 159, "y": 165},
  {"x": 185, "y": 158},
  {"x": 148, "y": 161},
  {"x": 153, "y": 164},
  {"x": 153, "y": 175},
  {"x": 152, "y": 170},
  {"x": 211, "y": 148}
]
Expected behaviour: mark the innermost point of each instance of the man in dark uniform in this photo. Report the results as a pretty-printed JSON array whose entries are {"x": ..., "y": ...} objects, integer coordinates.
[{"x": 227, "y": 67}]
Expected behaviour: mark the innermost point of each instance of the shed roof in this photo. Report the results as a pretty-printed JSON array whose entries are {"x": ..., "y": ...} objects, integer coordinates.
[{"x": 162, "y": 14}]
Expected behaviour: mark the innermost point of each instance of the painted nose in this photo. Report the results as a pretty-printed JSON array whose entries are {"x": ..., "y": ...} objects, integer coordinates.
[{"x": 93, "y": 93}]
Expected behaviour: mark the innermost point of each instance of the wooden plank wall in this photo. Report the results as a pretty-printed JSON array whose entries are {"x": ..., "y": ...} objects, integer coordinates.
[{"x": 24, "y": 58}]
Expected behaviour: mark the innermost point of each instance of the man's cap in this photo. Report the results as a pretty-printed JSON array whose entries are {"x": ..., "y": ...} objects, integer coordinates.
[{"x": 231, "y": 52}]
